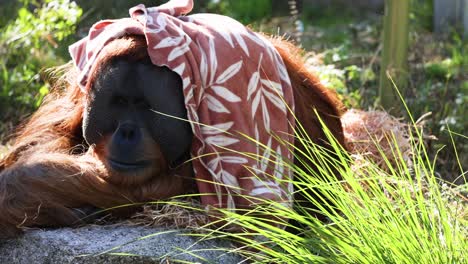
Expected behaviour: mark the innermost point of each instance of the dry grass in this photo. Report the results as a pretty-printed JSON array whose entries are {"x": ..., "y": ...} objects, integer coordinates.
[
  {"x": 185, "y": 213},
  {"x": 371, "y": 133}
]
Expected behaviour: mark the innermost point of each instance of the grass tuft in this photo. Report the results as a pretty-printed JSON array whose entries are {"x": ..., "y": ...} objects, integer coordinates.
[{"x": 392, "y": 212}]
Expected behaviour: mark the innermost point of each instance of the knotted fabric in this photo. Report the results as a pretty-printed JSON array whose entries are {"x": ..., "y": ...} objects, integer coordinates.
[{"x": 237, "y": 93}]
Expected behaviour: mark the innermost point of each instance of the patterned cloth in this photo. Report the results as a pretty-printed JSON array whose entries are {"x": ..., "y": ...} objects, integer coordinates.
[{"x": 237, "y": 94}]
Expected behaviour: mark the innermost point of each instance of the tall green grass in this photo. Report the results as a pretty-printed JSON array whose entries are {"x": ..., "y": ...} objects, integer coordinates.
[{"x": 395, "y": 213}]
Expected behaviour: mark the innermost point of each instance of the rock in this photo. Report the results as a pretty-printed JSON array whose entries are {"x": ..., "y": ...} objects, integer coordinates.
[{"x": 114, "y": 244}]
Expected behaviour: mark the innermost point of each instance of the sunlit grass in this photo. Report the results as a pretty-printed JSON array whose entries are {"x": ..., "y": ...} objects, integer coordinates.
[{"x": 396, "y": 213}]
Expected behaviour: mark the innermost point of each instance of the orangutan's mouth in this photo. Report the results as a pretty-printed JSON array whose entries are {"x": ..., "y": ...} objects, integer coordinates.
[{"x": 128, "y": 166}]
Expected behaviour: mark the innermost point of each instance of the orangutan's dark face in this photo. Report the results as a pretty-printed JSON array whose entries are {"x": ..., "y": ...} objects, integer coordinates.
[{"x": 123, "y": 117}]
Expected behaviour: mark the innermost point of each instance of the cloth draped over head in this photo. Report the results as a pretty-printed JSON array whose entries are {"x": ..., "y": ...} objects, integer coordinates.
[{"x": 237, "y": 93}]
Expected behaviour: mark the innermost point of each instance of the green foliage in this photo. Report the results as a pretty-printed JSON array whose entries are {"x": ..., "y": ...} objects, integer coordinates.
[
  {"x": 330, "y": 76},
  {"x": 421, "y": 13},
  {"x": 29, "y": 43},
  {"x": 441, "y": 69},
  {"x": 110, "y": 9},
  {"x": 6, "y": 10},
  {"x": 440, "y": 88},
  {"x": 246, "y": 11},
  {"x": 452, "y": 65},
  {"x": 52, "y": 21},
  {"x": 346, "y": 79}
]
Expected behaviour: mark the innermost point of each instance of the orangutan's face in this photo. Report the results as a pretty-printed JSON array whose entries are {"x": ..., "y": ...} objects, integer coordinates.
[{"x": 121, "y": 117}]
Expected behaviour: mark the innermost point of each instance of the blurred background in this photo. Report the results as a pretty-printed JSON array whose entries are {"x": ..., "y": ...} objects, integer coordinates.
[{"x": 343, "y": 42}]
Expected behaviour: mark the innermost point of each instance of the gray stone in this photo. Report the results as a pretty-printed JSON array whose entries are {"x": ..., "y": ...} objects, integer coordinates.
[{"x": 114, "y": 244}]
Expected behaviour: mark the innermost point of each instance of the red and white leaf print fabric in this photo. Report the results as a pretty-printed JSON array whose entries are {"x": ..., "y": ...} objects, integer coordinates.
[{"x": 236, "y": 90}]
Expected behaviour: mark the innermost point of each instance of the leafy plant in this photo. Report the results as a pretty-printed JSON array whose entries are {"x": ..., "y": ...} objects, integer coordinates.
[{"x": 28, "y": 44}]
